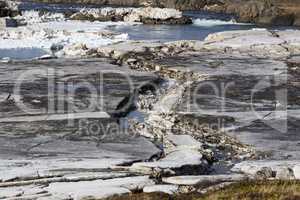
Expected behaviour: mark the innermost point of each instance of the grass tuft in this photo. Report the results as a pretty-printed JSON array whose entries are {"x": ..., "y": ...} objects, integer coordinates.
[{"x": 258, "y": 190}]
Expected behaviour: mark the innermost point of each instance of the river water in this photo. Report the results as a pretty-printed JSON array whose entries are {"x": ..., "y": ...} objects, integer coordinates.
[{"x": 204, "y": 23}]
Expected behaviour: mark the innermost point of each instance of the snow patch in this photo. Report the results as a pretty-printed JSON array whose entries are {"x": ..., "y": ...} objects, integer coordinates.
[
  {"x": 33, "y": 17},
  {"x": 38, "y": 39},
  {"x": 214, "y": 22}
]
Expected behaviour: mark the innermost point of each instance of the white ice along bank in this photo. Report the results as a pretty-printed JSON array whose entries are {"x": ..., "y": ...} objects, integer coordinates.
[
  {"x": 58, "y": 37},
  {"x": 129, "y": 14}
]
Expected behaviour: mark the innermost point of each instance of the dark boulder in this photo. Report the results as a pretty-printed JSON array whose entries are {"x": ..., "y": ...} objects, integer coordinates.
[
  {"x": 102, "y": 18},
  {"x": 2, "y": 4},
  {"x": 5, "y": 11},
  {"x": 171, "y": 21},
  {"x": 260, "y": 12}
]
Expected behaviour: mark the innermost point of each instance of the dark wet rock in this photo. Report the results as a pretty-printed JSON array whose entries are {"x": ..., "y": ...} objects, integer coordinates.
[
  {"x": 266, "y": 12},
  {"x": 2, "y": 4},
  {"x": 297, "y": 21},
  {"x": 260, "y": 12},
  {"x": 277, "y": 136},
  {"x": 179, "y": 162},
  {"x": 270, "y": 12},
  {"x": 7, "y": 9},
  {"x": 114, "y": 14},
  {"x": 264, "y": 173},
  {"x": 90, "y": 17},
  {"x": 171, "y": 21}
]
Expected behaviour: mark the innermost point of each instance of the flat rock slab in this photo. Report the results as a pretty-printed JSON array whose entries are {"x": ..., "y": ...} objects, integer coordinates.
[
  {"x": 120, "y": 49},
  {"x": 22, "y": 159},
  {"x": 211, "y": 63},
  {"x": 256, "y": 42},
  {"x": 184, "y": 142},
  {"x": 254, "y": 100},
  {"x": 66, "y": 144},
  {"x": 180, "y": 162},
  {"x": 168, "y": 189},
  {"x": 99, "y": 188},
  {"x": 43, "y": 82},
  {"x": 82, "y": 190},
  {"x": 198, "y": 180},
  {"x": 78, "y": 190}
]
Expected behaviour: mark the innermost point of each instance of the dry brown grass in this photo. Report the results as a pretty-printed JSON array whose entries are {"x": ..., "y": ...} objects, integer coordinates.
[{"x": 262, "y": 190}]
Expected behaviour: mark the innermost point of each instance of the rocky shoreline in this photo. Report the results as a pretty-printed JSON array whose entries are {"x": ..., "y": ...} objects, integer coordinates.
[
  {"x": 147, "y": 15},
  {"x": 266, "y": 12},
  {"x": 174, "y": 129},
  {"x": 261, "y": 12},
  {"x": 190, "y": 152}
]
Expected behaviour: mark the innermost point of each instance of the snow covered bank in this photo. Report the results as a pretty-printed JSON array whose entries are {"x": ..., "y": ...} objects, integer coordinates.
[
  {"x": 56, "y": 37},
  {"x": 47, "y": 39}
]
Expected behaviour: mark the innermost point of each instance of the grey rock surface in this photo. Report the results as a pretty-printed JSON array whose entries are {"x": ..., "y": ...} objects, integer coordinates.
[
  {"x": 67, "y": 145},
  {"x": 198, "y": 180}
]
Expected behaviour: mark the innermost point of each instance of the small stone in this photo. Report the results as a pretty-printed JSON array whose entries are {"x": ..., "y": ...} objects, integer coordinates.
[
  {"x": 157, "y": 68},
  {"x": 5, "y": 60},
  {"x": 285, "y": 173},
  {"x": 264, "y": 173},
  {"x": 56, "y": 47},
  {"x": 296, "y": 171},
  {"x": 2, "y": 4}
]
